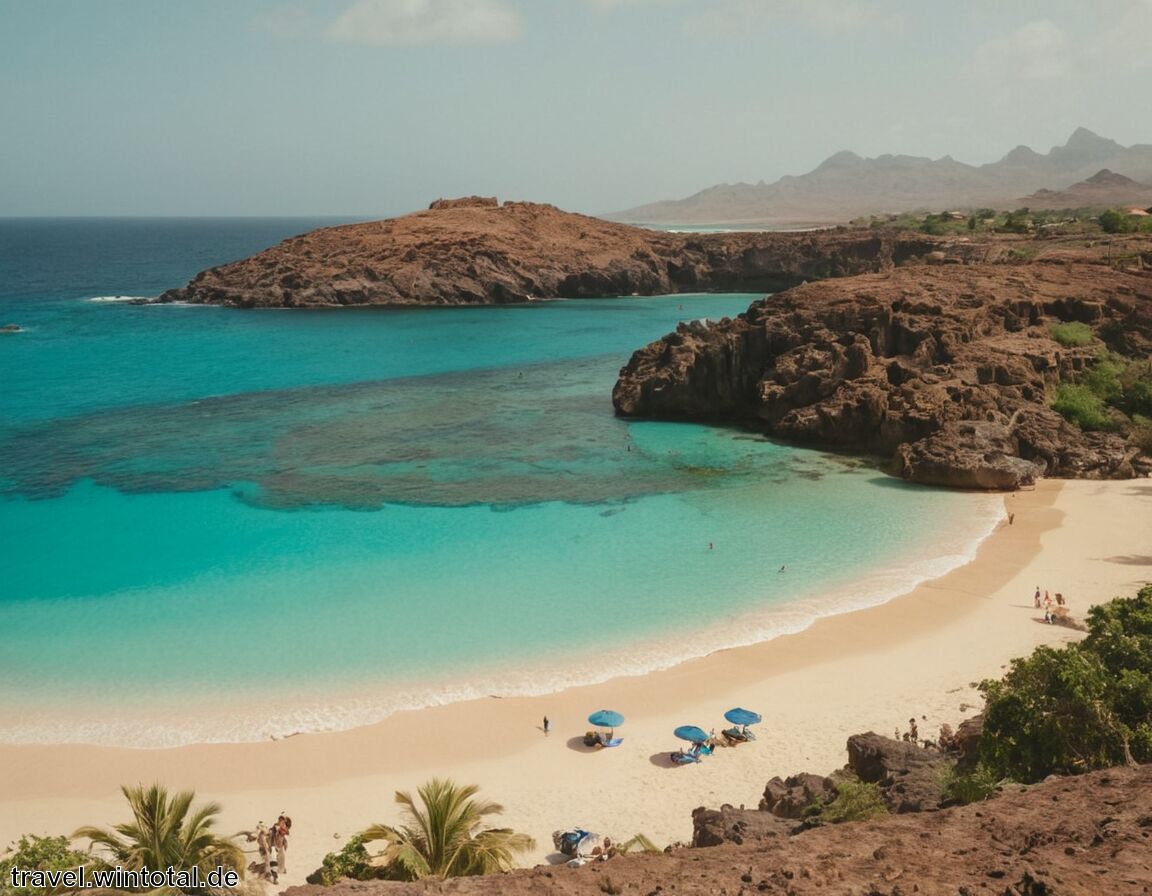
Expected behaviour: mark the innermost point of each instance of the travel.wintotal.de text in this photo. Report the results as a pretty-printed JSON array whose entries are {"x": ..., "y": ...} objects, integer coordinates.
[{"x": 119, "y": 878}]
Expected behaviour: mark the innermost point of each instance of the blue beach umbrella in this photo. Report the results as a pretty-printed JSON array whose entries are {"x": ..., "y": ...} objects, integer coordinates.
[
  {"x": 691, "y": 733},
  {"x": 606, "y": 718},
  {"x": 740, "y": 716}
]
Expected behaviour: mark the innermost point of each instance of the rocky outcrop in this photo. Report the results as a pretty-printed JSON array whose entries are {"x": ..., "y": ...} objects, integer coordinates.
[
  {"x": 795, "y": 796},
  {"x": 1062, "y": 837},
  {"x": 475, "y": 251},
  {"x": 909, "y": 776},
  {"x": 714, "y": 827},
  {"x": 947, "y": 370}
]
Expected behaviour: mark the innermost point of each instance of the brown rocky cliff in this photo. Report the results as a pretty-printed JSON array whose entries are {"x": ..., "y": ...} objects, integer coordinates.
[
  {"x": 946, "y": 368},
  {"x": 1081, "y": 836},
  {"x": 475, "y": 251}
]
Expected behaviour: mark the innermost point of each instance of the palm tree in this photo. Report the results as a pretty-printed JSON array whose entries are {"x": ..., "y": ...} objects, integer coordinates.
[
  {"x": 442, "y": 838},
  {"x": 163, "y": 834}
]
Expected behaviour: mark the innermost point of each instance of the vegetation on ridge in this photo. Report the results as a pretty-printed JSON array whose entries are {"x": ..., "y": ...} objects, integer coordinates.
[
  {"x": 1114, "y": 396},
  {"x": 1089, "y": 221},
  {"x": 855, "y": 800}
]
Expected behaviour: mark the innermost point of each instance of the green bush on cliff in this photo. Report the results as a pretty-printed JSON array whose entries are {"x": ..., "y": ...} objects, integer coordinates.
[
  {"x": 1112, "y": 396},
  {"x": 1085, "y": 706},
  {"x": 971, "y": 786},
  {"x": 1079, "y": 405},
  {"x": 352, "y": 861},
  {"x": 855, "y": 801},
  {"x": 1072, "y": 335}
]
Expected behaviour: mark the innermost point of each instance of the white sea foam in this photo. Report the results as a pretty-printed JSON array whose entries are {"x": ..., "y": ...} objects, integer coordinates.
[
  {"x": 263, "y": 716},
  {"x": 120, "y": 299}
]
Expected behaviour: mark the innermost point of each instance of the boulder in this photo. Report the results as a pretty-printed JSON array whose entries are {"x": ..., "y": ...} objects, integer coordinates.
[
  {"x": 794, "y": 796},
  {"x": 909, "y": 775},
  {"x": 712, "y": 827}
]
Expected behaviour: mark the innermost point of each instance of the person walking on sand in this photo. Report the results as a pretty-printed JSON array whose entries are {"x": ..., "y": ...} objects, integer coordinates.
[
  {"x": 262, "y": 846},
  {"x": 281, "y": 844},
  {"x": 547, "y": 726},
  {"x": 1037, "y": 597}
]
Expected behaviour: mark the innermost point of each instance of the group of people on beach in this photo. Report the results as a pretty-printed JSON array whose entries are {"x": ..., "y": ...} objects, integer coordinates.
[
  {"x": 272, "y": 844},
  {"x": 1050, "y": 615}
]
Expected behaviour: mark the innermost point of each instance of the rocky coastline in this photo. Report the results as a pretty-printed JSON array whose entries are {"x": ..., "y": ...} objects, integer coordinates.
[
  {"x": 1083, "y": 834},
  {"x": 476, "y": 251},
  {"x": 945, "y": 370},
  {"x": 934, "y": 355}
]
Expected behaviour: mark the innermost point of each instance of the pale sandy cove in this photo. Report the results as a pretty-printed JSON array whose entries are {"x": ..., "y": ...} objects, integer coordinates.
[{"x": 867, "y": 670}]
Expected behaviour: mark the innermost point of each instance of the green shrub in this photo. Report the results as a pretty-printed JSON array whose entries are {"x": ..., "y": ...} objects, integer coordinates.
[
  {"x": 1072, "y": 335},
  {"x": 1141, "y": 434},
  {"x": 352, "y": 861},
  {"x": 972, "y": 786},
  {"x": 855, "y": 801},
  {"x": 34, "y": 853},
  {"x": 1079, "y": 405},
  {"x": 1113, "y": 221},
  {"x": 1104, "y": 379},
  {"x": 1085, "y": 706},
  {"x": 1136, "y": 384}
]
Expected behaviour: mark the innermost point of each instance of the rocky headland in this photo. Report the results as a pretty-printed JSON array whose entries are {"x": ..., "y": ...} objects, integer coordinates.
[
  {"x": 947, "y": 369},
  {"x": 934, "y": 352},
  {"x": 476, "y": 251}
]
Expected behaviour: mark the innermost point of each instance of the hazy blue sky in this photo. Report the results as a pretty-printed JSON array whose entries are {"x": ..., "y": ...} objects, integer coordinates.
[{"x": 377, "y": 107}]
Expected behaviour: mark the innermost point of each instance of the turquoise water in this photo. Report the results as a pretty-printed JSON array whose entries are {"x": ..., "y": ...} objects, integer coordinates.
[{"x": 205, "y": 510}]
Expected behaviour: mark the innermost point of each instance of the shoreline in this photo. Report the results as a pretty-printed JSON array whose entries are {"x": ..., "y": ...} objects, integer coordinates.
[
  {"x": 869, "y": 669},
  {"x": 817, "y": 587},
  {"x": 325, "y": 710}
]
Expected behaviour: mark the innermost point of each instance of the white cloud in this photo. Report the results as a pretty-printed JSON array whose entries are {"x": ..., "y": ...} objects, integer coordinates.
[
  {"x": 1124, "y": 42},
  {"x": 725, "y": 17},
  {"x": 742, "y": 16},
  {"x": 1037, "y": 51},
  {"x": 416, "y": 22}
]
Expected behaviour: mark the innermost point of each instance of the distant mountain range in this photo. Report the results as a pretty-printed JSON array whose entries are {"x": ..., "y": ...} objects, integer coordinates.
[{"x": 846, "y": 186}]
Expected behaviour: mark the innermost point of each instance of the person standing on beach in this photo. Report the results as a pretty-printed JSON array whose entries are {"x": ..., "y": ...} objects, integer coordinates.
[
  {"x": 1037, "y": 597},
  {"x": 262, "y": 846},
  {"x": 547, "y": 726},
  {"x": 283, "y": 825}
]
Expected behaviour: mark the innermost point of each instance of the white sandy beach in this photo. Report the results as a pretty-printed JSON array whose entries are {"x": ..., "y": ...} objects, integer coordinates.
[{"x": 868, "y": 670}]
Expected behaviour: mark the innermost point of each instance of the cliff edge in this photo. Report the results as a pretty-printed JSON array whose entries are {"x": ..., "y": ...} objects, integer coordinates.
[
  {"x": 1083, "y": 835},
  {"x": 946, "y": 369}
]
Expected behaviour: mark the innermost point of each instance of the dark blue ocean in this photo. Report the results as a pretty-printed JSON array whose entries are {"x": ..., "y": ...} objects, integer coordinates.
[{"x": 339, "y": 513}]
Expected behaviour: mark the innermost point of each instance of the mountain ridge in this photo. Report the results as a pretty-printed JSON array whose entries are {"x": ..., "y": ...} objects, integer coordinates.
[{"x": 847, "y": 185}]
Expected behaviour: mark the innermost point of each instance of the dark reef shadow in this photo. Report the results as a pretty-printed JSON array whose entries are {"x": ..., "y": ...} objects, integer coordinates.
[{"x": 1131, "y": 559}]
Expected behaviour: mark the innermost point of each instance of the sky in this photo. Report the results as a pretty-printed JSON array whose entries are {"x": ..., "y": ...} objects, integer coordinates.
[{"x": 378, "y": 107}]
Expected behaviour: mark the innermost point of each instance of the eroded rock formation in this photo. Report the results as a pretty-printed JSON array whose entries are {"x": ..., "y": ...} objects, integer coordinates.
[
  {"x": 946, "y": 369},
  {"x": 476, "y": 251}
]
